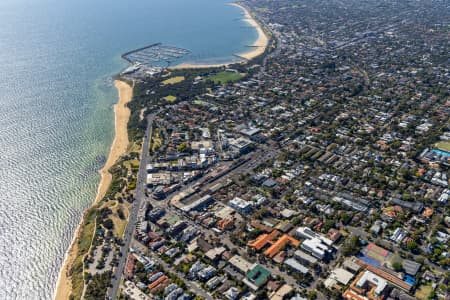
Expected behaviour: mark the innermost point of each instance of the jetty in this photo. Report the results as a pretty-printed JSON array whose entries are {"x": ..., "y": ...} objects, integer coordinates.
[{"x": 241, "y": 58}]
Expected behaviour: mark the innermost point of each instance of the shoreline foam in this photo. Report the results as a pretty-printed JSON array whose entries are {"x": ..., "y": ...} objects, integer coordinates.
[
  {"x": 259, "y": 46},
  {"x": 118, "y": 147}
]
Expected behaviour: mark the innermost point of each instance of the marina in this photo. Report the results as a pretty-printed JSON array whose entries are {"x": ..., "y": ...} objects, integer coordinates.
[
  {"x": 59, "y": 98},
  {"x": 155, "y": 54}
]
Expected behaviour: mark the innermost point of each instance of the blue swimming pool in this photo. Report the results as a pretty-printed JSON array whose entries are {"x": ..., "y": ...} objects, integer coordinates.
[
  {"x": 441, "y": 152},
  {"x": 409, "y": 279}
]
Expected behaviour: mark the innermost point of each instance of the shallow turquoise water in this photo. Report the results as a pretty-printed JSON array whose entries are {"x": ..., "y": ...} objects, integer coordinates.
[{"x": 56, "y": 118}]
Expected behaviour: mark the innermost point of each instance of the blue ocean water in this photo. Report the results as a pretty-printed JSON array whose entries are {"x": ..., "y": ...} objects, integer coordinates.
[{"x": 56, "y": 118}]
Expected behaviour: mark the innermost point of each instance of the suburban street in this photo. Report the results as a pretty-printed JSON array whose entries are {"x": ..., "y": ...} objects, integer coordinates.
[
  {"x": 229, "y": 150},
  {"x": 139, "y": 196}
]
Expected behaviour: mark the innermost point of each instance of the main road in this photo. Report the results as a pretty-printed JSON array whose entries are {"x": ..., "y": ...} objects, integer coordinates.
[{"x": 131, "y": 225}]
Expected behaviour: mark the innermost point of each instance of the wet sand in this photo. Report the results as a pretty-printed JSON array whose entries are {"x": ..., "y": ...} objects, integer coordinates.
[
  {"x": 118, "y": 148},
  {"x": 120, "y": 143}
]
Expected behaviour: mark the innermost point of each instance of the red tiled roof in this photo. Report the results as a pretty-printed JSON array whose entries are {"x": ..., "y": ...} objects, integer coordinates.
[
  {"x": 278, "y": 245},
  {"x": 263, "y": 240},
  {"x": 157, "y": 281}
]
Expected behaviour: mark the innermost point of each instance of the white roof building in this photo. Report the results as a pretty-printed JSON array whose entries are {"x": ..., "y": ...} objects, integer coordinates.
[
  {"x": 315, "y": 247},
  {"x": 370, "y": 278},
  {"x": 232, "y": 293},
  {"x": 306, "y": 233},
  {"x": 241, "y": 205},
  {"x": 342, "y": 276}
]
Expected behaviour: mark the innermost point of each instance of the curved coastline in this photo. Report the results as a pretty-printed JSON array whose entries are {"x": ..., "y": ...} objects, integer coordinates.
[
  {"x": 120, "y": 143},
  {"x": 261, "y": 42},
  {"x": 258, "y": 47},
  {"x": 119, "y": 147}
]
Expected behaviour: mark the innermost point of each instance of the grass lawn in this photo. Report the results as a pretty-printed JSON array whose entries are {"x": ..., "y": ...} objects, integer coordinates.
[
  {"x": 393, "y": 258},
  {"x": 84, "y": 242},
  {"x": 131, "y": 184},
  {"x": 423, "y": 292},
  {"x": 135, "y": 147},
  {"x": 156, "y": 141},
  {"x": 443, "y": 146},
  {"x": 173, "y": 80},
  {"x": 132, "y": 164},
  {"x": 156, "y": 144},
  {"x": 225, "y": 77},
  {"x": 170, "y": 98},
  {"x": 119, "y": 224},
  {"x": 87, "y": 232}
]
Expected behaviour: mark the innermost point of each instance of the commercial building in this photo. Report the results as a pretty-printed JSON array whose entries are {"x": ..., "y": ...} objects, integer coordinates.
[
  {"x": 306, "y": 233},
  {"x": 240, "y": 145},
  {"x": 198, "y": 204},
  {"x": 316, "y": 247},
  {"x": 163, "y": 178},
  {"x": 240, "y": 205}
]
